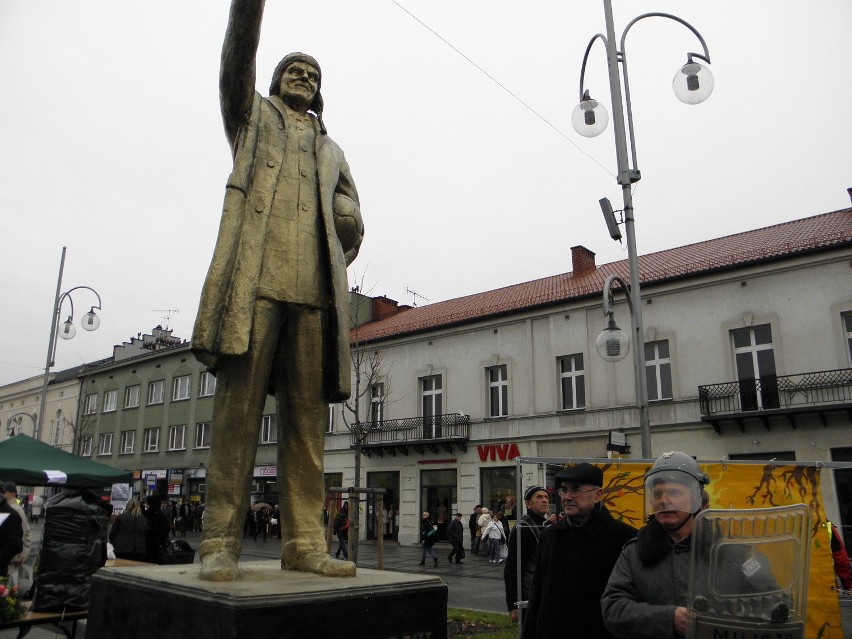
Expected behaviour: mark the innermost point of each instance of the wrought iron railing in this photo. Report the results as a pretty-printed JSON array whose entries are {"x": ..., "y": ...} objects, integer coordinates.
[
  {"x": 416, "y": 429},
  {"x": 773, "y": 392}
]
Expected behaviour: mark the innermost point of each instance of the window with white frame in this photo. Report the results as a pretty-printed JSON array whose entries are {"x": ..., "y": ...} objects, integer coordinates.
[
  {"x": 90, "y": 407},
  {"x": 206, "y": 384},
  {"x": 110, "y": 401},
  {"x": 127, "y": 442},
  {"x": 432, "y": 404},
  {"x": 105, "y": 446},
  {"x": 131, "y": 396},
  {"x": 268, "y": 429},
  {"x": 202, "y": 434},
  {"x": 847, "y": 327},
  {"x": 498, "y": 391},
  {"x": 177, "y": 437},
  {"x": 572, "y": 379},
  {"x": 329, "y": 425},
  {"x": 377, "y": 404},
  {"x": 58, "y": 428},
  {"x": 754, "y": 357},
  {"x": 151, "y": 442},
  {"x": 181, "y": 387},
  {"x": 658, "y": 370},
  {"x": 155, "y": 392},
  {"x": 86, "y": 447}
]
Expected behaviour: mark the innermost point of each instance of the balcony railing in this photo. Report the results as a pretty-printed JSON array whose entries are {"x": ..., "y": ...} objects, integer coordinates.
[
  {"x": 417, "y": 432},
  {"x": 777, "y": 394}
]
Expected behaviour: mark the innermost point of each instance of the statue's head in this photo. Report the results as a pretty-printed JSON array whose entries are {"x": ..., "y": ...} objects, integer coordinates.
[{"x": 297, "y": 80}]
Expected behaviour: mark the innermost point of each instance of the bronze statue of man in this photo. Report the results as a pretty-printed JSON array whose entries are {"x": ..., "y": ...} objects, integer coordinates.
[{"x": 273, "y": 316}]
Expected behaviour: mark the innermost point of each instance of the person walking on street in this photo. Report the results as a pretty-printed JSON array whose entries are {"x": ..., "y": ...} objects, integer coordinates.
[
  {"x": 428, "y": 535},
  {"x": 456, "y": 535},
  {"x": 575, "y": 557},
  {"x": 341, "y": 529},
  {"x": 473, "y": 526},
  {"x": 261, "y": 520},
  {"x": 10, "y": 491},
  {"x": 36, "y": 507},
  {"x": 529, "y": 527},
  {"x": 483, "y": 521}
]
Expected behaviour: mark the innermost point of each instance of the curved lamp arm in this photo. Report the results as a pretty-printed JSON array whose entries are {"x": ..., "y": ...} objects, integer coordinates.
[
  {"x": 608, "y": 301},
  {"x": 585, "y": 59}
]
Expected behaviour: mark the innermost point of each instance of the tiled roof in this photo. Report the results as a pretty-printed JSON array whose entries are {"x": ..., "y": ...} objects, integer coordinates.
[{"x": 821, "y": 232}]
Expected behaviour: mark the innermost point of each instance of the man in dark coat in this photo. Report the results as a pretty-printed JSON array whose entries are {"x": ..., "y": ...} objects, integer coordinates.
[
  {"x": 530, "y": 526},
  {"x": 575, "y": 557},
  {"x": 11, "y": 535},
  {"x": 473, "y": 526},
  {"x": 456, "y": 536}
]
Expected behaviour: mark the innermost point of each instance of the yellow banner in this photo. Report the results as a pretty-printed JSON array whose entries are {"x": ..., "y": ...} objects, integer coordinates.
[{"x": 750, "y": 486}]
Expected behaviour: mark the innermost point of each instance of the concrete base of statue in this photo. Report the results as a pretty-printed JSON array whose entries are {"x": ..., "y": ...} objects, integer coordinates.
[{"x": 172, "y": 602}]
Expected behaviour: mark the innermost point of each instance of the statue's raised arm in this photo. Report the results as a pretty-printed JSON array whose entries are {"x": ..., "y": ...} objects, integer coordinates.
[{"x": 238, "y": 71}]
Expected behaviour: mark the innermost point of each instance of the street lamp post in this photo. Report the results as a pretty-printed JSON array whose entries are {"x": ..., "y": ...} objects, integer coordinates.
[
  {"x": 692, "y": 84},
  {"x": 90, "y": 322}
]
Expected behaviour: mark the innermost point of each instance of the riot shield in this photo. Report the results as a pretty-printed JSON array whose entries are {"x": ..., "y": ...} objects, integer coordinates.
[{"x": 748, "y": 573}]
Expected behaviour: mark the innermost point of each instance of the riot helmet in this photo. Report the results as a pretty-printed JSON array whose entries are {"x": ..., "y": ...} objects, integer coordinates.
[{"x": 674, "y": 484}]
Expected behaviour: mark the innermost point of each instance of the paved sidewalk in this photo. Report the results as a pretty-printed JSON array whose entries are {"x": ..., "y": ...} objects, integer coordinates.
[{"x": 475, "y": 584}]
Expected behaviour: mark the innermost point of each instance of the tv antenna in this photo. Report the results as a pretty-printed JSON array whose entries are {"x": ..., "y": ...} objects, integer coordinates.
[
  {"x": 415, "y": 294},
  {"x": 168, "y": 314}
]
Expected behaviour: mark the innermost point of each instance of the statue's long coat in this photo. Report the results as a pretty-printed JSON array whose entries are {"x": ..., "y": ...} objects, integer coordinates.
[{"x": 223, "y": 323}]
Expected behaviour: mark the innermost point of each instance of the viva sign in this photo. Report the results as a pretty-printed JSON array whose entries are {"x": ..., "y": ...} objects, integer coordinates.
[{"x": 493, "y": 452}]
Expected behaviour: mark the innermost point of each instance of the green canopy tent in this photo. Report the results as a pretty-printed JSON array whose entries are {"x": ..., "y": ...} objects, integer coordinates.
[{"x": 27, "y": 461}]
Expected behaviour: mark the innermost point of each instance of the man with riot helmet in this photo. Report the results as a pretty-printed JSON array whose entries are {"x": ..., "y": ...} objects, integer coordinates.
[
  {"x": 647, "y": 592},
  {"x": 712, "y": 563}
]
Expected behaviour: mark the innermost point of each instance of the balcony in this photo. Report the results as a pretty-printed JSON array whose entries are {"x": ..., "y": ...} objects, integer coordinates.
[
  {"x": 392, "y": 436},
  {"x": 787, "y": 396}
]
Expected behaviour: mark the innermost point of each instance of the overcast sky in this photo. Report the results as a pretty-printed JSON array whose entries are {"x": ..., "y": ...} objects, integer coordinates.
[{"x": 112, "y": 142}]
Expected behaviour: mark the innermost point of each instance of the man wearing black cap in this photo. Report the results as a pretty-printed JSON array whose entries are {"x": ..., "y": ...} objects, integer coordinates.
[
  {"x": 530, "y": 526},
  {"x": 274, "y": 311},
  {"x": 575, "y": 557},
  {"x": 10, "y": 492}
]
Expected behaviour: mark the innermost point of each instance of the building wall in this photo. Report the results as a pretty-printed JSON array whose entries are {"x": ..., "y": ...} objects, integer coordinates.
[{"x": 60, "y": 408}]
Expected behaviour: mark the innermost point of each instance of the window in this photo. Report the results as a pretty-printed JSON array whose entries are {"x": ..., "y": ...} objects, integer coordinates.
[
  {"x": 131, "y": 397},
  {"x": 658, "y": 370},
  {"x": 847, "y": 328},
  {"x": 128, "y": 439},
  {"x": 207, "y": 384},
  {"x": 86, "y": 448},
  {"x": 573, "y": 382},
  {"x": 329, "y": 426},
  {"x": 755, "y": 361},
  {"x": 105, "y": 447},
  {"x": 152, "y": 440},
  {"x": 91, "y": 405},
  {"x": 58, "y": 427},
  {"x": 268, "y": 429},
  {"x": 432, "y": 403},
  {"x": 377, "y": 404},
  {"x": 498, "y": 391},
  {"x": 110, "y": 400},
  {"x": 155, "y": 392},
  {"x": 202, "y": 435},
  {"x": 181, "y": 387},
  {"x": 177, "y": 437}
]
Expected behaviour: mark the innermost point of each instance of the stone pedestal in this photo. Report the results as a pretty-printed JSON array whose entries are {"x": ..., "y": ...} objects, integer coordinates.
[{"x": 171, "y": 602}]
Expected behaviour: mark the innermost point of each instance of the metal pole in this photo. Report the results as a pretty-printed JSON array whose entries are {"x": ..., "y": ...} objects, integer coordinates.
[
  {"x": 50, "y": 348},
  {"x": 624, "y": 179}
]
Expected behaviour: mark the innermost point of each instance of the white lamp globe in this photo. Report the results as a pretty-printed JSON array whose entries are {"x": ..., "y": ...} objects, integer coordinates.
[
  {"x": 91, "y": 321},
  {"x": 612, "y": 344},
  {"x": 589, "y": 118},
  {"x": 67, "y": 330},
  {"x": 693, "y": 83}
]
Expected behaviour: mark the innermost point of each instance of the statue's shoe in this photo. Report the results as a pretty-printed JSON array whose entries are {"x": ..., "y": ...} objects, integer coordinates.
[
  {"x": 319, "y": 563},
  {"x": 219, "y": 566}
]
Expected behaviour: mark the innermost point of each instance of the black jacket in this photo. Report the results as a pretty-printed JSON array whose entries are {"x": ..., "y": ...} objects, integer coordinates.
[
  {"x": 531, "y": 526},
  {"x": 573, "y": 567},
  {"x": 11, "y": 535}
]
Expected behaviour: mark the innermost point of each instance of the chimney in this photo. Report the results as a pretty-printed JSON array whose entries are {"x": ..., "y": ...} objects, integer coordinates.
[
  {"x": 582, "y": 260},
  {"x": 383, "y": 308}
]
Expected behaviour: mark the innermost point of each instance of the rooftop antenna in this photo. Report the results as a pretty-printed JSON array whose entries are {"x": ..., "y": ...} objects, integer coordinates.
[
  {"x": 168, "y": 314},
  {"x": 415, "y": 294}
]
